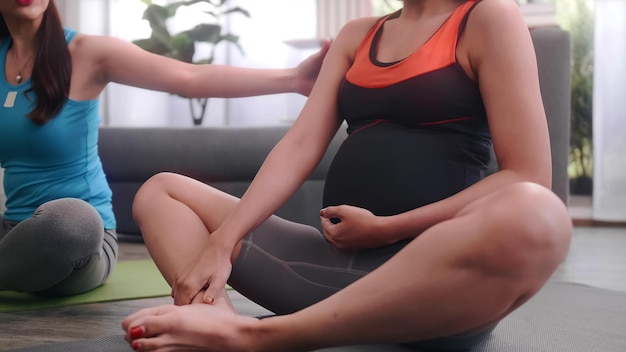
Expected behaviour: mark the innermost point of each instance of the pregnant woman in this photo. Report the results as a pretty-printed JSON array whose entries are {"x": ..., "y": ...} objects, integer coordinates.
[{"x": 417, "y": 245}]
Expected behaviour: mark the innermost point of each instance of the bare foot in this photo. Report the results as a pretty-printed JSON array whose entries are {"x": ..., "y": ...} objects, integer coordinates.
[{"x": 195, "y": 327}]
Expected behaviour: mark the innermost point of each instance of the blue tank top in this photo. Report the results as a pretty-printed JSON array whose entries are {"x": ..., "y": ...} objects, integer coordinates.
[{"x": 56, "y": 160}]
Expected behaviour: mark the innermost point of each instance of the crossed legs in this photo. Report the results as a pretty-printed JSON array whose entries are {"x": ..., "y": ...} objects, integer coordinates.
[
  {"x": 460, "y": 276},
  {"x": 63, "y": 249},
  {"x": 177, "y": 215}
]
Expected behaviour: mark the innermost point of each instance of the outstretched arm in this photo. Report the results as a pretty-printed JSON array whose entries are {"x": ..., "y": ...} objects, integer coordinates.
[{"x": 109, "y": 59}]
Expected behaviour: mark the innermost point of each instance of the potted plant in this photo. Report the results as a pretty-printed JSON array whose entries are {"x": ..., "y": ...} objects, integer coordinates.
[{"x": 182, "y": 46}]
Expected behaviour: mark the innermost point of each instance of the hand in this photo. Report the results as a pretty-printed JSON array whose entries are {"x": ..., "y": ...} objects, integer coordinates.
[
  {"x": 205, "y": 274},
  {"x": 307, "y": 70},
  {"x": 197, "y": 327},
  {"x": 349, "y": 227}
]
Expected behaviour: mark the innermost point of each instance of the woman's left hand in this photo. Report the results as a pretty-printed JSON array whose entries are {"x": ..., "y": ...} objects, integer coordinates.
[
  {"x": 205, "y": 274},
  {"x": 357, "y": 228},
  {"x": 307, "y": 70}
]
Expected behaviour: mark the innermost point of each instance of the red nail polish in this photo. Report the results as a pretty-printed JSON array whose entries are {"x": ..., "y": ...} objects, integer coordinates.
[
  {"x": 136, "y": 332},
  {"x": 136, "y": 345}
]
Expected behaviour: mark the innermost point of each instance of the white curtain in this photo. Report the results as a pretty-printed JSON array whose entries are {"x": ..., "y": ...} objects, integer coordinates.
[
  {"x": 333, "y": 14},
  {"x": 609, "y": 111},
  {"x": 265, "y": 38}
]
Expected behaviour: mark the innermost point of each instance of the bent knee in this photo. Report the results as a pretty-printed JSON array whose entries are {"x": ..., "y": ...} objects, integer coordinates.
[
  {"x": 68, "y": 217},
  {"x": 157, "y": 183},
  {"x": 156, "y": 186},
  {"x": 70, "y": 226},
  {"x": 528, "y": 225}
]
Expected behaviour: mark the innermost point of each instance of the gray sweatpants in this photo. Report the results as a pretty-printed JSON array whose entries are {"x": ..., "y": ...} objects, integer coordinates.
[
  {"x": 63, "y": 249},
  {"x": 285, "y": 266}
]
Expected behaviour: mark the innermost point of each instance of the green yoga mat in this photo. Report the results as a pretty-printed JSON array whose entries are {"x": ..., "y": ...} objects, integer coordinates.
[{"x": 129, "y": 280}]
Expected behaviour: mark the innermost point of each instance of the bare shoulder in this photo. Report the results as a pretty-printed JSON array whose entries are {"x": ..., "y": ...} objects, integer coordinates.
[
  {"x": 90, "y": 55},
  {"x": 357, "y": 29},
  {"x": 95, "y": 51},
  {"x": 81, "y": 43},
  {"x": 491, "y": 15},
  {"x": 84, "y": 44},
  {"x": 494, "y": 27},
  {"x": 352, "y": 34},
  {"x": 361, "y": 25}
]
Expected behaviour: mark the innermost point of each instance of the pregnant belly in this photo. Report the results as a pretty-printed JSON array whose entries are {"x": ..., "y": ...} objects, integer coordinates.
[{"x": 389, "y": 169}]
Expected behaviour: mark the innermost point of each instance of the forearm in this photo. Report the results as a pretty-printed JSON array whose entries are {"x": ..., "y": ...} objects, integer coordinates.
[
  {"x": 232, "y": 82},
  {"x": 282, "y": 173}
]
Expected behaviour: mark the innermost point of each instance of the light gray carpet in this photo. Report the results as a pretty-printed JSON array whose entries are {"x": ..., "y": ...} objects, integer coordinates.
[{"x": 562, "y": 317}]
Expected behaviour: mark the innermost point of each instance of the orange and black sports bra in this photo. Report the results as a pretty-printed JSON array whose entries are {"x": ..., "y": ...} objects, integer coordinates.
[
  {"x": 418, "y": 130},
  {"x": 428, "y": 88}
]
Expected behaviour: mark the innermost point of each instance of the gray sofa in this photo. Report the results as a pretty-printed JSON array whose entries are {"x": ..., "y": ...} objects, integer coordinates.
[{"x": 228, "y": 157}]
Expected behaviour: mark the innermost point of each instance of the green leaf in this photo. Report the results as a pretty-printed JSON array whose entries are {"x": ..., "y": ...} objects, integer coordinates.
[
  {"x": 180, "y": 41},
  {"x": 229, "y": 12},
  {"x": 157, "y": 16},
  {"x": 212, "y": 14},
  {"x": 173, "y": 7},
  {"x": 204, "y": 61},
  {"x": 183, "y": 47},
  {"x": 232, "y": 39},
  {"x": 217, "y": 3},
  {"x": 152, "y": 45},
  {"x": 205, "y": 32},
  {"x": 237, "y": 10}
]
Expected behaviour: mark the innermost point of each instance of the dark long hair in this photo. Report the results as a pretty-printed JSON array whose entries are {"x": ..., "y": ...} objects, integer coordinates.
[{"x": 52, "y": 69}]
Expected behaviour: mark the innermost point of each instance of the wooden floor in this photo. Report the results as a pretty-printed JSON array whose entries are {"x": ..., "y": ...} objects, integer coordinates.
[{"x": 597, "y": 257}]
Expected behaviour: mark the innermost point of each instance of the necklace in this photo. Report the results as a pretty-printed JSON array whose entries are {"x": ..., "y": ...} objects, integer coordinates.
[{"x": 19, "y": 78}]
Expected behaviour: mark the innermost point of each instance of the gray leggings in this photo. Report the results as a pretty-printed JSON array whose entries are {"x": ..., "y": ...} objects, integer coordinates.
[
  {"x": 285, "y": 266},
  {"x": 63, "y": 249}
]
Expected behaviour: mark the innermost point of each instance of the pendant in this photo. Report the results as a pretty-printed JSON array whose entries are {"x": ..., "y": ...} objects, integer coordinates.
[
  {"x": 9, "y": 101},
  {"x": 18, "y": 78}
]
